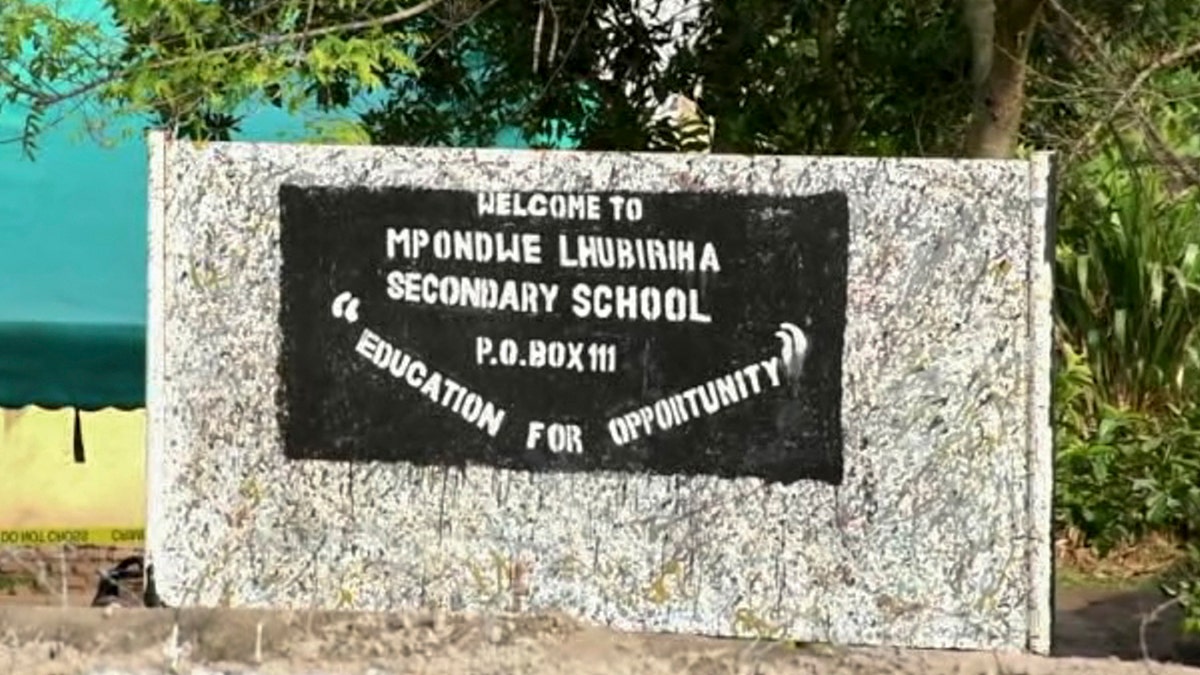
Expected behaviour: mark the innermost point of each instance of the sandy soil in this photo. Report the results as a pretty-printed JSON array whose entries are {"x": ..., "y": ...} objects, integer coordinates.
[{"x": 1097, "y": 633}]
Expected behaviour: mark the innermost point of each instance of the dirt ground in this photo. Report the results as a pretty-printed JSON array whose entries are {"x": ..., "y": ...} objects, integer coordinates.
[
  {"x": 48, "y": 575},
  {"x": 1097, "y": 631}
]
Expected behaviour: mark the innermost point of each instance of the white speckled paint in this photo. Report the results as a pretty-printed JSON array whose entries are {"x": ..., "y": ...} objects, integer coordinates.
[{"x": 939, "y": 536}]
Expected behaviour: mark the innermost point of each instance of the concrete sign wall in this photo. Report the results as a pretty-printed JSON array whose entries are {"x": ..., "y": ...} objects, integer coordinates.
[{"x": 777, "y": 396}]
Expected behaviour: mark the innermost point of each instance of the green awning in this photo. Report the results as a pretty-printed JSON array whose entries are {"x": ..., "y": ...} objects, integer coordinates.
[{"x": 88, "y": 366}]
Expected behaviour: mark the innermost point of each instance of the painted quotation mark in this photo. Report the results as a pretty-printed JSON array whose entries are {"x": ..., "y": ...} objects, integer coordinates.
[
  {"x": 345, "y": 306},
  {"x": 794, "y": 348}
]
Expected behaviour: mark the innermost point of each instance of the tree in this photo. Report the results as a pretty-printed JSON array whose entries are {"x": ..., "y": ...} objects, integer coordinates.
[
  {"x": 916, "y": 77},
  {"x": 589, "y": 70},
  {"x": 193, "y": 63},
  {"x": 1001, "y": 32},
  {"x": 877, "y": 77}
]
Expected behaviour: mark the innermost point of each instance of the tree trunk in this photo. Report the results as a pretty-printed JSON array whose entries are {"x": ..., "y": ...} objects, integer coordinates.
[
  {"x": 1000, "y": 47},
  {"x": 836, "y": 78}
]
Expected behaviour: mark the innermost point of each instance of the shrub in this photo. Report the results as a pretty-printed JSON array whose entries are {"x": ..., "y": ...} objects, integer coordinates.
[
  {"x": 1127, "y": 410},
  {"x": 1122, "y": 474},
  {"x": 1129, "y": 280}
]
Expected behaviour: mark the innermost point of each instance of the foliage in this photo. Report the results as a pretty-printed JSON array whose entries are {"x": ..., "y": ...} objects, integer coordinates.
[
  {"x": 1127, "y": 415},
  {"x": 1122, "y": 474},
  {"x": 338, "y": 132},
  {"x": 1129, "y": 279},
  {"x": 587, "y": 75},
  {"x": 1114, "y": 64},
  {"x": 871, "y": 77},
  {"x": 874, "y": 77},
  {"x": 193, "y": 63}
]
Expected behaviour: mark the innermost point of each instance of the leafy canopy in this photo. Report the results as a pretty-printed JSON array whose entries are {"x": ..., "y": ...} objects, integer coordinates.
[{"x": 193, "y": 63}]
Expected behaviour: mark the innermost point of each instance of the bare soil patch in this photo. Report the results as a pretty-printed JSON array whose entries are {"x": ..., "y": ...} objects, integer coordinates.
[
  {"x": 1127, "y": 564},
  {"x": 55, "y": 575},
  {"x": 45, "y": 641}
]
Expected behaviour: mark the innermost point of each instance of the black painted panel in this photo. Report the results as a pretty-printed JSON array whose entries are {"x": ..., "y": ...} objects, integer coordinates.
[{"x": 700, "y": 364}]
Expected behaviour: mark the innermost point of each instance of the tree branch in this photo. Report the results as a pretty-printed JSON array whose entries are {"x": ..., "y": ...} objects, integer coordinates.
[
  {"x": 1150, "y": 618},
  {"x": 587, "y": 12},
  {"x": 1164, "y": 61},
  {"x": 979, "y": 15},
  {"x": 1165, "y": 153},
  {"x": 1094, "y": 44},
  {"x": 453, "y": 28},
  {"x": 9, "y": 80},
  {"x": 1022, "y": 12},
  {"x": 827, "y": 43},
  {"x": 308, "y": 18}
]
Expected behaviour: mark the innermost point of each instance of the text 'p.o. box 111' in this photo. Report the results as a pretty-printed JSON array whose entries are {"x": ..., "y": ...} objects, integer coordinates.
[{"x": 721, "y": 394}]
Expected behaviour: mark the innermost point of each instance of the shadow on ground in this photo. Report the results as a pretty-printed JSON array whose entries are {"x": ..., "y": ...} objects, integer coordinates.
[{"x": 1106, "y": 622}]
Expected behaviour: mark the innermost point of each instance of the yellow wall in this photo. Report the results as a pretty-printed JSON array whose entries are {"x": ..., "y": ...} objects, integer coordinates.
[{"x": 42, "y": 486}]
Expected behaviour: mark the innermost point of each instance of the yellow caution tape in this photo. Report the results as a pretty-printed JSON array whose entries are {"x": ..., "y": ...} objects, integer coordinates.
[{"x": 103, "y": 536}]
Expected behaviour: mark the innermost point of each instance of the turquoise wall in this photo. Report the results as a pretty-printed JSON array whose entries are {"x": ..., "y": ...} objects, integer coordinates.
[
  {"x": 73, "y": 263},
  {"x": 73, "y": 254}
]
